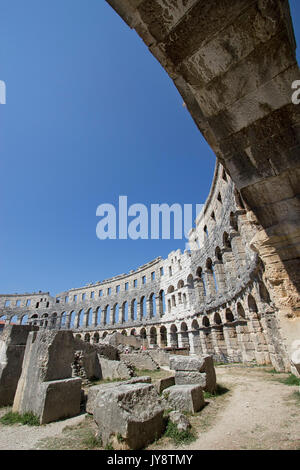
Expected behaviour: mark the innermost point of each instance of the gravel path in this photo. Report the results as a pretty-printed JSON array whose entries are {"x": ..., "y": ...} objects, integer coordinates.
[
  {"x": 259, "y": 413},
  {"x": 20, "y": 437}
]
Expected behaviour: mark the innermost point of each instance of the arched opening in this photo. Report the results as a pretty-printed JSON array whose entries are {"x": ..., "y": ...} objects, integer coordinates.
[
  {"x": 134, "y": 309},
  {"x": 87, "y": 337},
  {"x": 96, "y": 338},
  {"x": 80, "y": 319},
  {"x": 196, "y": 337},
  {"x": 98, "y": 316},
  {"x": 163, "y": 337},
  {"x": 173, "y": 337},
  {"x": 243, "y": 332},
  {"x": 24, "y": 320},
  {"x": 63, "y": 320},
  {"x": 72, "y": 320},
  {"x": 152, "y": 304},
  {"x": 162, "y": 303},
  {"x": 232, "y": 340},
  {"x": 53, "y": 320},
  {"x": 143, "y": 305},
  {"x": 207, "y": 336},
  {"x": 124, "y": 312},
  {"x": 153, "y": 336},
  {"x": 211, "y": 278},
  {"x": 89, "y": 317},
  {"x": 190, "y": 281},
  {"x": 264, "y": 294},
  {"x": 133, "y": 332},
  {"x": 107, "y": 315},
  {"x": 184, "y": 335},
  {"x": 201, "y": 288},
  {"x": 218, "y": 331}
]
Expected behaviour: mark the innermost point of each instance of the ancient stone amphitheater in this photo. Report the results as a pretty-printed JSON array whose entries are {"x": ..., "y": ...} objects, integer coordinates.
[{"x": 235, "y": 293}]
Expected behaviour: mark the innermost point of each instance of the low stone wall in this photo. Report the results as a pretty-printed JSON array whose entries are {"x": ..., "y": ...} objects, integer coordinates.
[{"x": 140, "y": 361}]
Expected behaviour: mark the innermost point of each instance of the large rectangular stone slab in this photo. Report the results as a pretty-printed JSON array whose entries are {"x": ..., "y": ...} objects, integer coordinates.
[
  {"x": 60, "y": 399},
  {"x": 162, "y": 384},
  {"x": 96, "y": 389},
  {"x": 129, "y": 416},
  {"x": 184, "y": 398},
  {"x": 12, "y": 348},
  {"x": 46, "y": 388},
  {"x": 195, "y": 363},
  {"x": 190, "y": 377}
]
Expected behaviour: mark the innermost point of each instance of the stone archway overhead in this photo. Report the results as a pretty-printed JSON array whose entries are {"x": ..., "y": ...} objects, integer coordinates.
[{"x": 233, "y": 62}]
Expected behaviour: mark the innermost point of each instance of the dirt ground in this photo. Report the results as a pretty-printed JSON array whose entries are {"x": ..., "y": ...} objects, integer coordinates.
[{"x": 254, "y": 411}]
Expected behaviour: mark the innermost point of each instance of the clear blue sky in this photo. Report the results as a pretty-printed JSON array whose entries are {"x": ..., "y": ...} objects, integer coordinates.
[{"x": 90, "y": 115}]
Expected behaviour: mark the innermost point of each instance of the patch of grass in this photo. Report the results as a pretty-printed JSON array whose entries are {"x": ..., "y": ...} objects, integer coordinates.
[
  {"x": 91, "y": 441},
  {"x": 290, "y": 380},
  {"x": 220, "y": 390},
  {"x": 109, "y": 446},
  {"x": 12, "y": 418},
  {"x": 105, "y": 381},
  {"x": 120, "y": 438},
  {"x": 179, "y": 437},
  {"x": 272, "y": 371}
]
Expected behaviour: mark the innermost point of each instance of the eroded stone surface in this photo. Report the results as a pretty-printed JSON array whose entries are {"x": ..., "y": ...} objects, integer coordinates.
[
  {"x": 184, "y": 397},
  {"x": 129, "y": 416}
]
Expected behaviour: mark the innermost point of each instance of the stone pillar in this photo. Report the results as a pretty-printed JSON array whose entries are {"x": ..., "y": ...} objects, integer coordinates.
[
  {"x": 203, "y": 341},
  {"x": 191, "y": 342},
  {"x": 158, "y": 303}
]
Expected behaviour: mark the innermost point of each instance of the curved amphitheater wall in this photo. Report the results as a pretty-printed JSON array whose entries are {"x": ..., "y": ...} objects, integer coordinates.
[{"x": 214, "y": 298}]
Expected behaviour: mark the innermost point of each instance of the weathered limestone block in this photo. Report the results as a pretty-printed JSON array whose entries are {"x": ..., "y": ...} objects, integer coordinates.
[
  {"x": 162, "y": 358},
  {"x": 162, "y": 384},
  {"x": 12, "y": 349},
  {"x": 186, "y": 377},
  {"x": 116, "y": 339},
  {"x": 45, "y": 387},
  {"x": 140, "y": 361},
  {"x": 86, "y": 365},
  {"x": 196, "y": 363},
  {"x": 101, "y": 348},
  {"x": 58, "y": 399},
  {"x": 194, "y": 370},
  {"x": 184, "y": 397},
  {"x": 210, "y": 374},
  {"x": 114, "y": 369},
  {"x": 295, "y": 359},
  {"x": 129, "y": 416},
  {"x": 96, "y": 389}
]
